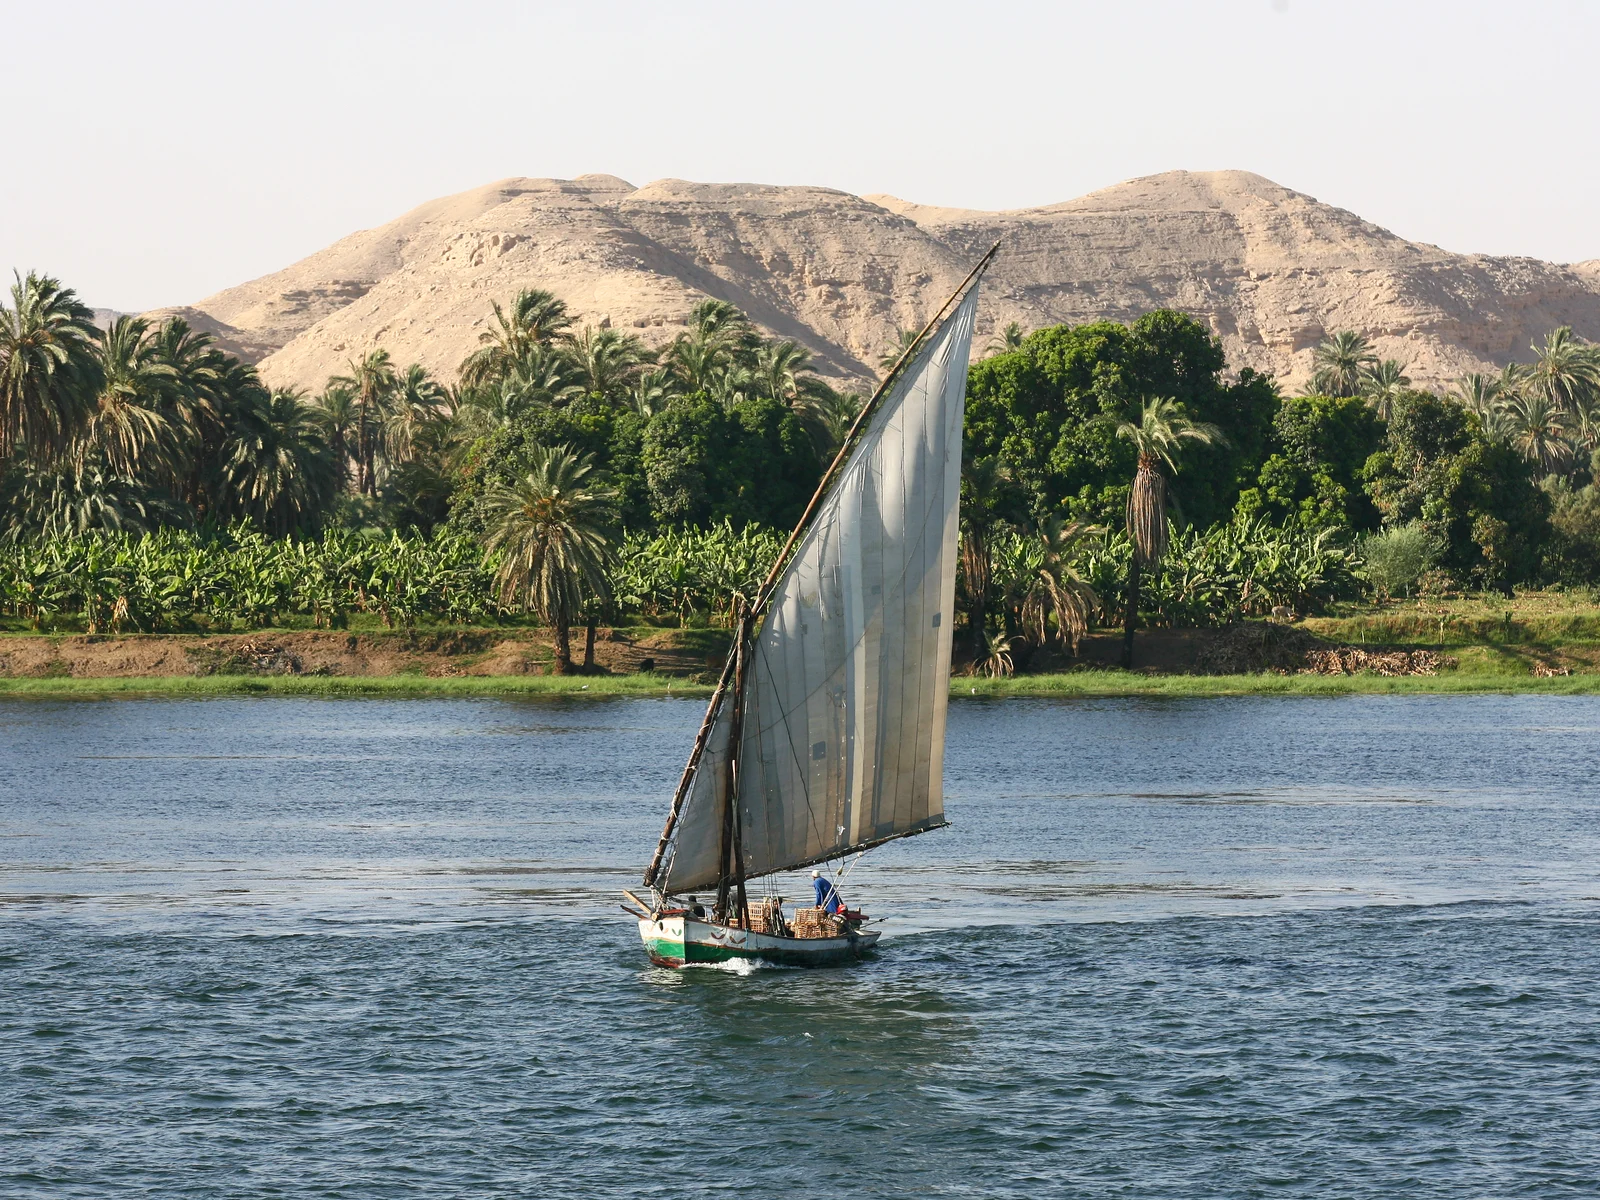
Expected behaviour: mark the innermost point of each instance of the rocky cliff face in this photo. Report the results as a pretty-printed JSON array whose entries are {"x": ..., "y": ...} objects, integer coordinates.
[{"x": 1270, "y": 270}]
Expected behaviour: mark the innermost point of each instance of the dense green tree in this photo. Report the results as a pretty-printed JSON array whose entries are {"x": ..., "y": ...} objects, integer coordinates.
[
  {"x": 1034, "y": 409},
  {"x": 1477, "y": 496},
  {"x": 704, "y": 463},
  {"x": 1572, "y": 555},
  {"x": 1320, "y": 444}
]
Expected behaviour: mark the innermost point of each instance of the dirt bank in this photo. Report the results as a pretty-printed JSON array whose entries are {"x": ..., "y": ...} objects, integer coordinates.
[{"x": 465, "y": 652}]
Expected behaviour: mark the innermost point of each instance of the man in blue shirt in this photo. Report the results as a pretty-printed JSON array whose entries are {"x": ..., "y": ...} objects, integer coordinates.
[{"x": 828, "y": 899}]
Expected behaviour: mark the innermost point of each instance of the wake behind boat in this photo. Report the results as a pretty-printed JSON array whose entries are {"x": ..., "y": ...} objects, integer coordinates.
[{"x": 825, "y": 736}]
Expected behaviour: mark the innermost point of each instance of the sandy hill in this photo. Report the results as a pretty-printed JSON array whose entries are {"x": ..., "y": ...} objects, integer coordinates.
[{"x": 1269, "y": 269}]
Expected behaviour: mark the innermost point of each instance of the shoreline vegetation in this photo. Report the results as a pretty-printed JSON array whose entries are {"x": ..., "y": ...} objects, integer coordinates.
[{"x": 575, "y": 503}]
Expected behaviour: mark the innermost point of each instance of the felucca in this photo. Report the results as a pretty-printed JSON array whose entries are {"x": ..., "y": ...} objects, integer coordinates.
[{"x": 825, "y": 736}]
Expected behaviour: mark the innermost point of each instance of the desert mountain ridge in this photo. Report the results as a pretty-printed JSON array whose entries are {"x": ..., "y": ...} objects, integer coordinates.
[{"x": 1270, "y": 270}]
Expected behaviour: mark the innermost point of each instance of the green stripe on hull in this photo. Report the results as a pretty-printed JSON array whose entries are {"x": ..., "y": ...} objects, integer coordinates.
[{"x": 698, "y": 953}]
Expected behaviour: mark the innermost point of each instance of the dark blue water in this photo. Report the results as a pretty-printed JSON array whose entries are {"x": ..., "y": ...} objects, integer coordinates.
[{"x": 1219, "y": 948}]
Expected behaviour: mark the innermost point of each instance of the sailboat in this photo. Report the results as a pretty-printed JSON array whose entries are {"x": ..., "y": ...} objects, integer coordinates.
[{"x": 825, "y": 735}]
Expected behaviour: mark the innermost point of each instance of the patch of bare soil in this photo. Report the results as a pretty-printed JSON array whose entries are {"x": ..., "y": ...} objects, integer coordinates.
[
  {"x": 1352, "y": 660},
  {"x": 1246, "y": 648},
  {"x": 1254, "y": 646},
  {"x": 330, "y": 652}
]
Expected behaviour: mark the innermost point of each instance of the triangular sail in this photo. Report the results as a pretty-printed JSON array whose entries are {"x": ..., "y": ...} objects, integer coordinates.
[{"x": 849, "y": 676}]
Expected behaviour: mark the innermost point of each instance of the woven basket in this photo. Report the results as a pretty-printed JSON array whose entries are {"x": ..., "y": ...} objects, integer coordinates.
[{"x": 814, "y": 923}]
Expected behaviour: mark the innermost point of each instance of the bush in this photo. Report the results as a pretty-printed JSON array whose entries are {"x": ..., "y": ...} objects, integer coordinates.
[
  {"x": 1475, "y": 495},
  {"x": 1239, "y": 568},
  {"x": 1397, "y": 557},
  {"x": 175, "y": 580}
]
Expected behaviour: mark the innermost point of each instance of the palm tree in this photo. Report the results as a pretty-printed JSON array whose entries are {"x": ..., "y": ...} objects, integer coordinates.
[
  {"x": 544, "y": 378},
  {"x": 535, "y": 320},
  {"x": 1477, "y": 393},
  {"x": 995, "y": 657},
  {"x": 1564, "y": 371},
  {"x": 699, "y": 363},
  {"x": 372, "y": 382},
  {"x": 553, "y": 530},
  {"x": 1008, "y": 339},
  {"x": 717, "y": 320},
  {"x": 336, "y": 416},
  {"x": 1537, "y": 430},
  {"x": 605, "y": 362},
  {"x": 66, "y": 499},
  {"x": 903, "y": 341},
  {"x": 1064, "y": 588},
  {"x": 1338, "y": 362},
  {"x": 1497, "y": 424},
  {"x": 417, "y": 398},
  {"x": 418, "y": 490},
  {"x": 126, "y": 424},
  {"x": 981, "y": 482},
  {"x": 651, "y": 391},
  {"x": 48, "y": 371},
  {"x": 1032, "y": 577},
  {"x": 780, "y": 370},
  {"x": 1157, "y": 436},
  {"x": 734, "y": 386},
  {"x": 1583, "y": 420},
  {"x": 827, "y": 416},
  {"x": 1382, "y": 385},
  {"x": 194, "y": 402},
  {"x": 279, "y": 470}
]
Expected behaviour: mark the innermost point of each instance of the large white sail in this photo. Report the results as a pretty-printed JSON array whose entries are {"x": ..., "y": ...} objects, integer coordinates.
[{"x": 849, "y": 673}]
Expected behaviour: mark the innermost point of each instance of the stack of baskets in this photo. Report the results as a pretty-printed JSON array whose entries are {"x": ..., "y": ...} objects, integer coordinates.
[
  {"x": 766, "y": 916},
  {"x": 814, "y": 923}
]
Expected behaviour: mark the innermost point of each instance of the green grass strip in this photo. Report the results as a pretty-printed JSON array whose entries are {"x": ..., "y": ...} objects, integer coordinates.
[{"x": 1122, "y": 683}]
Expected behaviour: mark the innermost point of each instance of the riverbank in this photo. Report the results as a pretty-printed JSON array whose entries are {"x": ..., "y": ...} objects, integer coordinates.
[
  {"x": 1084, "y": 684},
  {"x": 1540, "y": 643}
]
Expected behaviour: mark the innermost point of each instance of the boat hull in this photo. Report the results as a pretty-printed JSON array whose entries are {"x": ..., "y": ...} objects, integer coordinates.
[{"x": 685, "y": 941}]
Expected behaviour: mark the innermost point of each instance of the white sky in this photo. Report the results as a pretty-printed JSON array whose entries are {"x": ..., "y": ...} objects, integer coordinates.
[{"x": 156, "y": 152}]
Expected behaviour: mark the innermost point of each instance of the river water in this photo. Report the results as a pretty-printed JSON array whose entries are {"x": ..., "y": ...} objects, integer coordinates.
[{"x": 1195, "y": 948}]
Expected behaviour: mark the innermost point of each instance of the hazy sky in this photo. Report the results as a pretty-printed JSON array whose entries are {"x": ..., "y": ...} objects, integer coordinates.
[{"x": 157, "y": 152}]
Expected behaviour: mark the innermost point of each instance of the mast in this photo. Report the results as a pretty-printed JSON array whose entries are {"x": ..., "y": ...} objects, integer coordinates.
[
  {"x": 732, "y": 851},
  {"x": 728, "y": 866}
]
